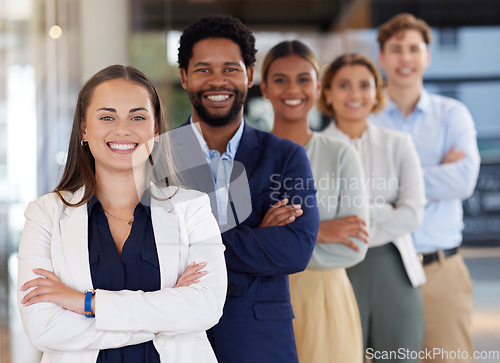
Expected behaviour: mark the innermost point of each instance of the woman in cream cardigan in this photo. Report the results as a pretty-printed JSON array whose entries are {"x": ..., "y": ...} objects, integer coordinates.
[
  {"x": 387, "y": 282},
  {"x": 116, "y": 265},
  {"x": 327, "y": 326}
]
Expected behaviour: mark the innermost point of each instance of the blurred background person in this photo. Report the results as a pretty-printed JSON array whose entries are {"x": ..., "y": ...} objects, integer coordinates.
[
  {"x": 133, "y": 266},
  {"x": 327, "y": 326},
  {"x": 445, "y": 136},
  {"x": 387, "y": 282}
]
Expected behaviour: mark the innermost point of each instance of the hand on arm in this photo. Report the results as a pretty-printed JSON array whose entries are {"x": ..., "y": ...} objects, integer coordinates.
[
  {"x": 276, "y": 249},
  {"x": 49, "y": 288},
  {"x": 340, "y": 230},
  {"x": 191, "y": 274},
  {"x": 281, "y": 214},
  {"x": 453, "y": 155},
  {"x": 454, "y": 177}
]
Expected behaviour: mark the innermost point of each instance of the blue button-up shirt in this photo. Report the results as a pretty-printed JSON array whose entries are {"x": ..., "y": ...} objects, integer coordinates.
[
  {"x": 137, "y": 268},
  {"x": 437, "y": 124},
  {"x": 222, "y": 166}
]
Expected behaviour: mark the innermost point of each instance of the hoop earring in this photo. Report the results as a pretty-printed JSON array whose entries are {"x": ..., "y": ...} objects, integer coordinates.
[{"x": 84, "y": 143}]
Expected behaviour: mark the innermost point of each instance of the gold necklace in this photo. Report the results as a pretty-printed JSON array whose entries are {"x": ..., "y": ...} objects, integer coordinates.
[{"x": 129, "y": 221}]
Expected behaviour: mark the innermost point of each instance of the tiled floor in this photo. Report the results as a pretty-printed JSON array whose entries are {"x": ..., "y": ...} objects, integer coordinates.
[{"x": 484, "y": 265}]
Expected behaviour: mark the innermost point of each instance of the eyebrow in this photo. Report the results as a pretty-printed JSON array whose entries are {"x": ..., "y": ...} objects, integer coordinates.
[
  {"x": 132, "y": 110},
  {"x": 349, "y": 80},
  {"x": 200, "y": 64},
  {"x": 236, "y": 64},
  {"x": 205, "y": 64},
  {"x": 284, "y": 75}
]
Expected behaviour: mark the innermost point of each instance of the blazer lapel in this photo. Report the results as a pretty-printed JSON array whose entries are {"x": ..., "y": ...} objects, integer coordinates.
[
  {"x": 167, "y": 236},
  {"x": 191, "y": 164},
  {"x": 74, "y": 237},
  {"x": 377, "y": 156},
  {"x": 248, "y": 149}
]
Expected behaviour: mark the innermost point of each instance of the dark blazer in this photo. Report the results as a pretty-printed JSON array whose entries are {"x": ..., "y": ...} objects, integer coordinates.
[{"x": 256, "y": 325}]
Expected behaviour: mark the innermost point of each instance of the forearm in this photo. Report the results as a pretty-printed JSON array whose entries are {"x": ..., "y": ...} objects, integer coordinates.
[
  {"x": 335, "y": 255},
  {"x": 271, "y": 250},
  {"x": 451, "y": 181},
  {"x": 51, "y": 328}
]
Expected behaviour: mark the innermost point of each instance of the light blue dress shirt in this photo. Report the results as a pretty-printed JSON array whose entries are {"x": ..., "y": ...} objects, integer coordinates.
[
  {"x": 437, "y": 124},
  {"x": 222, "y": 167}
]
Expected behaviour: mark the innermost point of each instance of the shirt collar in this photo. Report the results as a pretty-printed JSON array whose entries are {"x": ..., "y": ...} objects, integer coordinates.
[
  {"x": 145, "y": 202},
  {"x": 93, "y": 202},
  {"x": 423, "y": 104},
  {"x": 232, "y": 145},
  {"x": 347, "y": 138}
]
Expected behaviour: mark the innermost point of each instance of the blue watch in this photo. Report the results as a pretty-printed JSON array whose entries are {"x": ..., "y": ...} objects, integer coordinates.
[{"x": 88, "y": 303}]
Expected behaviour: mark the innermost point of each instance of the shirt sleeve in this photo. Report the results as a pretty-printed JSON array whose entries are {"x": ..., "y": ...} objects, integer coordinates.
[
  {"x": 283, "y": 250},
  {"x": 390, "y": 221},
  {"x": 353, "y": 201},
  {"x": 458, "y": 179},
  {"x": 49, "y": 327},
  {"x": 185, "y": 309}
]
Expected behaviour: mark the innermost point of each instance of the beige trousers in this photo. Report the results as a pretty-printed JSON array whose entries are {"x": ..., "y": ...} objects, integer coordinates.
[
  {"x": 327, "y": 325},
  {"x": 448, "y": 310}
]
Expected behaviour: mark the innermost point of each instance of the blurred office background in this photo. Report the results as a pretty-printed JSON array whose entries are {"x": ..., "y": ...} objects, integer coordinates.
[{"x": 48, "y": 48}]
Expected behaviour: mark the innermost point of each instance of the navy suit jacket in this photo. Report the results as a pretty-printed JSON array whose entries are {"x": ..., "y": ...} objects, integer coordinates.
[{"x": 256, "y": 325}]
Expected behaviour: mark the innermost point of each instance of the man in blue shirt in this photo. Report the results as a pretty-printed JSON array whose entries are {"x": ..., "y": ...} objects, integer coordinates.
[
  {"x": 217, "y": 149},
  {"x": 445, "y": 137}
]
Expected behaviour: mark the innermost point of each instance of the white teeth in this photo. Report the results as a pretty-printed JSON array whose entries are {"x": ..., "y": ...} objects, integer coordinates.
[
  {"x": 218, "y": 98},
  {"x": 405, "y": 70},
  {"x": 122, "y": 146},
  {"x": 354, "y": 104},
  {"x": 293, "y": 102}
]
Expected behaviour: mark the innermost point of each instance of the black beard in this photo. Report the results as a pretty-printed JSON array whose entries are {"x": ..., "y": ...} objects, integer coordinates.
[{"x": 218, "y": 120}]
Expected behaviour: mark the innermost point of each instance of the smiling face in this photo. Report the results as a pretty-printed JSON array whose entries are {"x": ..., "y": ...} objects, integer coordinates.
[
  {"x": 405, "y": 57},
  {"x": 352, "y": 93},
  {"x": 293, "y": 88},
  {"x": 217, "y": 81},
  {"x": 118, "y": 121}
]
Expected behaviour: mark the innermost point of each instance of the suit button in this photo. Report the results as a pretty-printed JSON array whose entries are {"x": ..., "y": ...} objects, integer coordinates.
[{"x": 230, "y": 289}]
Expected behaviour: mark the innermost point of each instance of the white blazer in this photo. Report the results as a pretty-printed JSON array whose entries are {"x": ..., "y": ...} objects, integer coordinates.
[
  {"x": 55, "y": 238},
  {"x": 397, "y": 196}
]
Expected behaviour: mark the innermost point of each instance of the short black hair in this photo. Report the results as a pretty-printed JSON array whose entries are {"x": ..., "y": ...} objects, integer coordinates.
[{"x": 217, "y": 26}]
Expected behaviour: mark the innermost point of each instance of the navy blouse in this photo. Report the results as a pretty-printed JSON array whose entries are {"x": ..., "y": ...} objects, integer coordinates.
[{"x": 137, "y": 268}]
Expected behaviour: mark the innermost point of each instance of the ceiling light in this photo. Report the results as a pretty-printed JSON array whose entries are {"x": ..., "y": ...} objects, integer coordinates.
[{"x": 55, "y": 32}]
